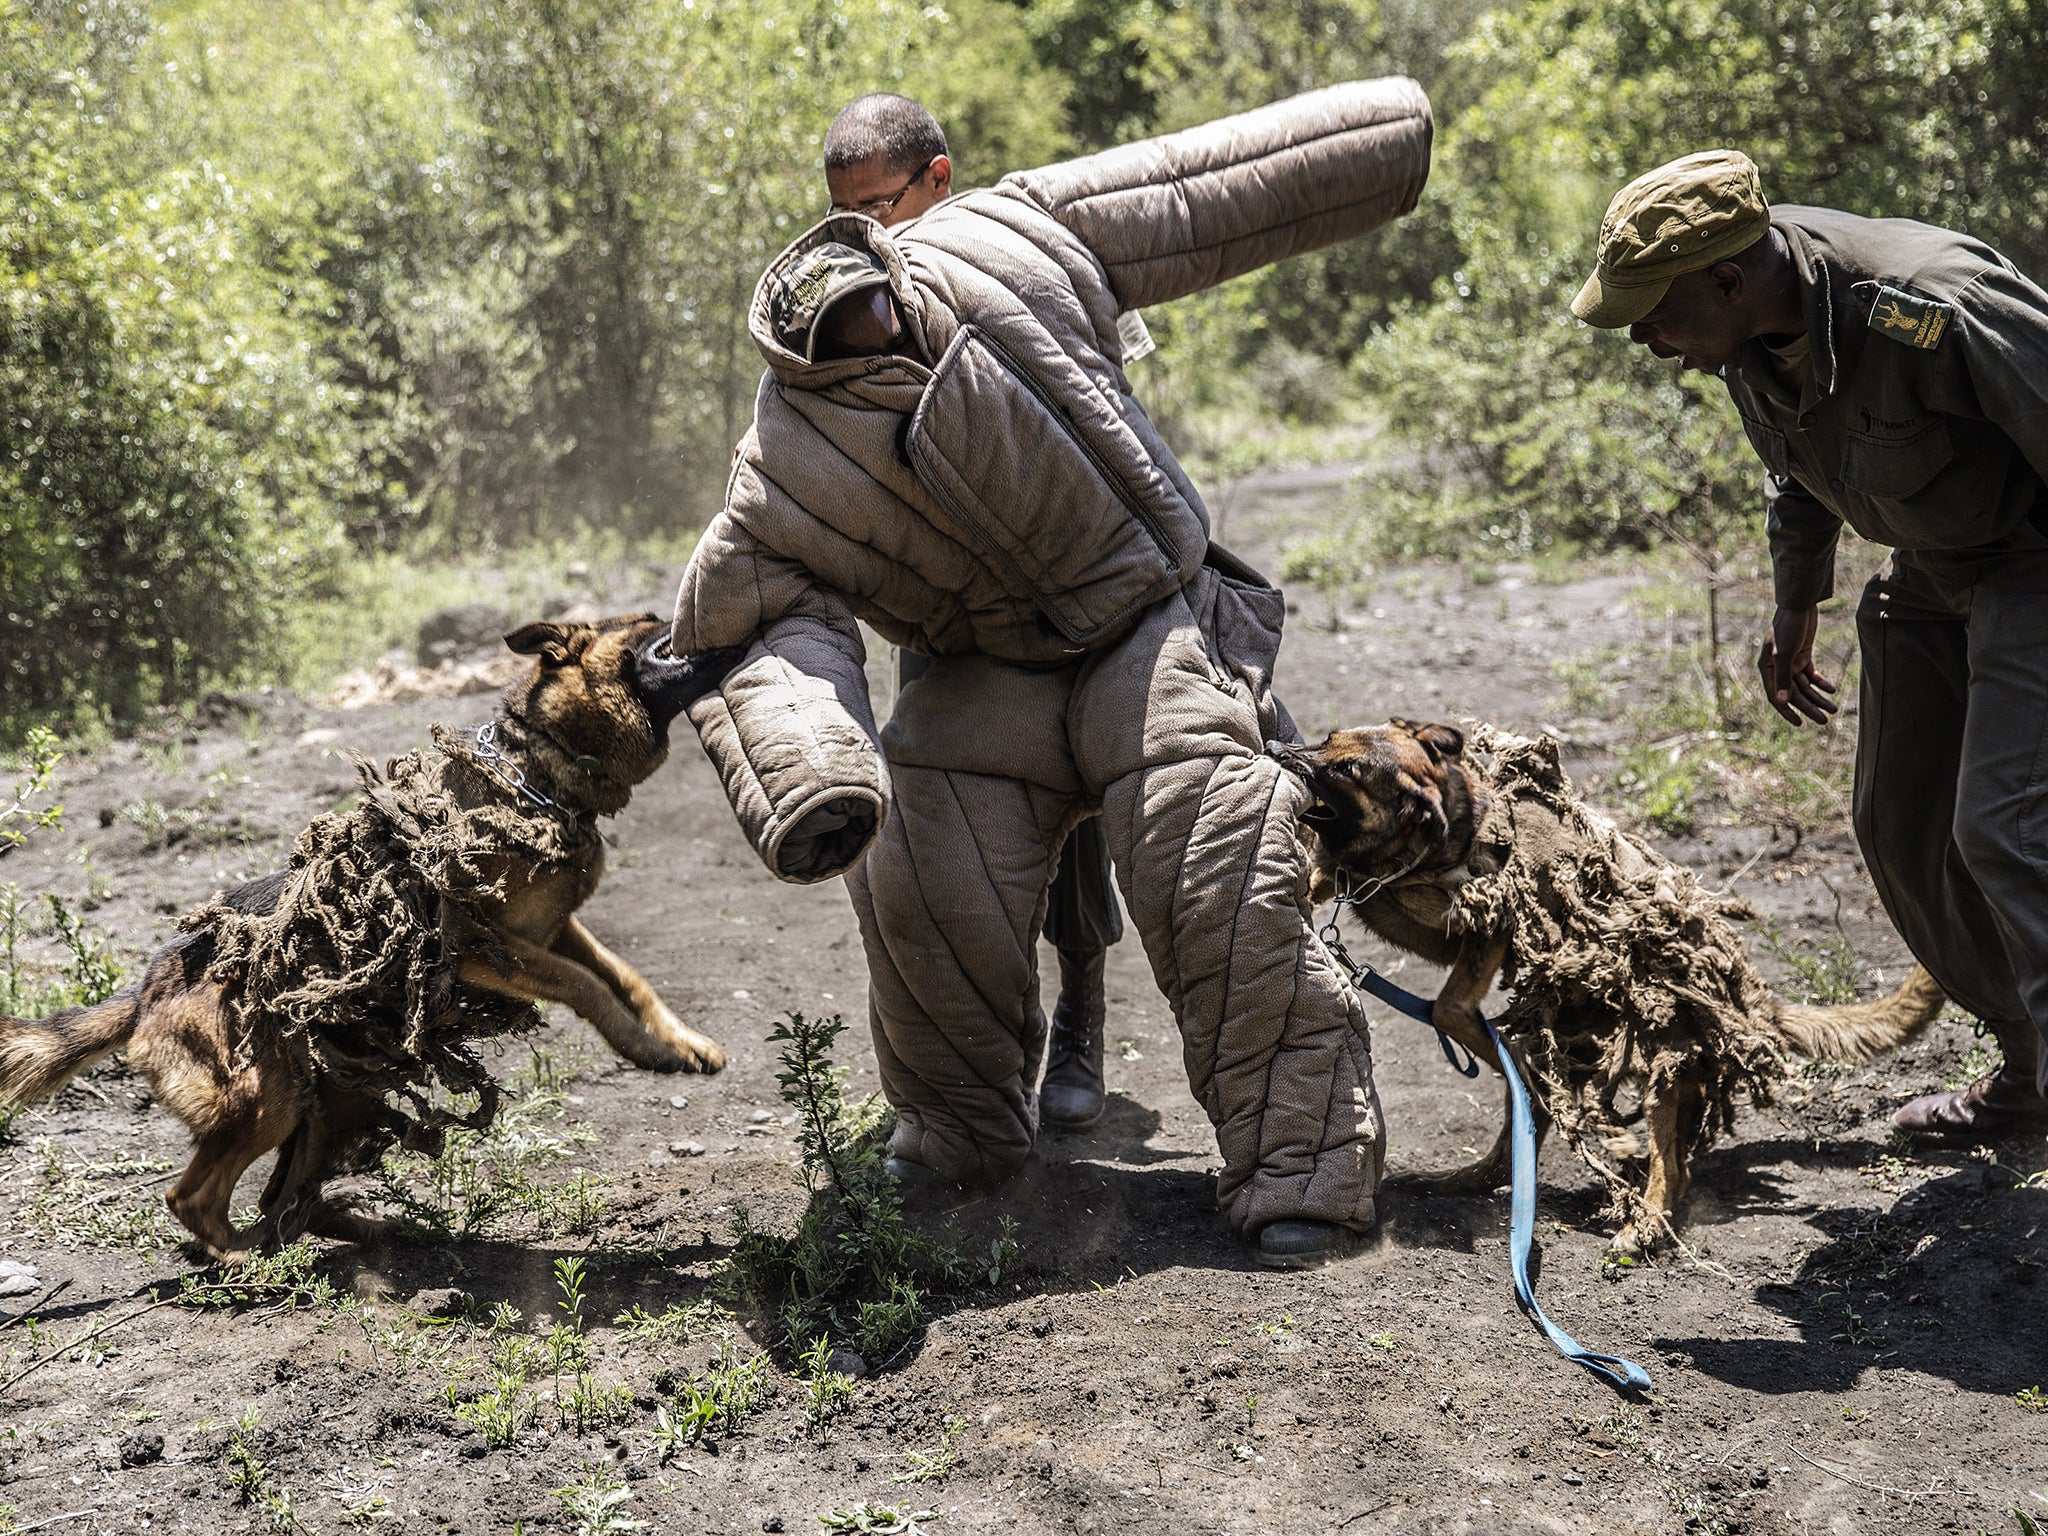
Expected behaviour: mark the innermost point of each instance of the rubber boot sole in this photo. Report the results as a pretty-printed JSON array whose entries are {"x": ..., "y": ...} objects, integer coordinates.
[{"x": 1054, "y": 1123}]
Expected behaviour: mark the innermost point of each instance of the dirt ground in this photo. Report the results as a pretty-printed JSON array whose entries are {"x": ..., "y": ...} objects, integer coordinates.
[{"x": 1848, "y": 1347}]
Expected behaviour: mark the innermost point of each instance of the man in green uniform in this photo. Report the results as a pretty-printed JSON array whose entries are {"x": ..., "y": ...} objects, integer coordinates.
[
  {"x": 885, "y": 156},
  {"x": 1892, "y": 376}
]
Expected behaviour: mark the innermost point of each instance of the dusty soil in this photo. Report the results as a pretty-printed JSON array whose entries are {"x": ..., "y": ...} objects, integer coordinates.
[{"x": 1843, "y": 1349}]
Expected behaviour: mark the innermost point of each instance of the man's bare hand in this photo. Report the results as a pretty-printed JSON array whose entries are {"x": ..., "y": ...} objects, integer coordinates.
[{"x": 1785, "y": 662}]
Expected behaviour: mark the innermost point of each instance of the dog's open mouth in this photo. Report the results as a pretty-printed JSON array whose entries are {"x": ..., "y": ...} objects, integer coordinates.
[
  {"x": 1297, "y": 761},
  {"x": 668, "y": 684}
]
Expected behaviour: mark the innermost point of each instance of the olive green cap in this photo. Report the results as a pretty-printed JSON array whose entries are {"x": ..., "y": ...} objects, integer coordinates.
[
  {"x": 815, "y": 281},
  {"x": 1682, "y": 217}
]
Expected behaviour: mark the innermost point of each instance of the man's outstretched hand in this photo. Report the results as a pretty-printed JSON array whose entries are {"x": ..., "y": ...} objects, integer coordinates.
[{"x": 1785, "y": 661}]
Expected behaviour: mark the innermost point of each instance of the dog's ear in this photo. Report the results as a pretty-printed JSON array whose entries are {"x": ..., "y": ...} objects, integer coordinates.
[
  {"x": 1437, "y": 740},
  {"x": 542, "y": 638}
]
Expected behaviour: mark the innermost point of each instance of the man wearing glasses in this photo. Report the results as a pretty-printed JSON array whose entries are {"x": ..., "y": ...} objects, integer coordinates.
[{"x": 885, "y": 158}]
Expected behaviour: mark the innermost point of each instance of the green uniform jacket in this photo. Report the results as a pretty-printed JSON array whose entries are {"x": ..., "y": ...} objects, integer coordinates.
[{"x": 1924, "y": 421}]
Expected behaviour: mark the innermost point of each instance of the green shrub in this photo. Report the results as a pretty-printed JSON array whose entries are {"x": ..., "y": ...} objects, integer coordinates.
[
  {"x": 1823, "y": 971},
  {"x": 88, "y": 973},
  {"x": 855, "y": 1271},
  {"x": 1665, "y": 789},
  {"x": 1301, "y": 386},
  {"x": 176, "y": 441}
]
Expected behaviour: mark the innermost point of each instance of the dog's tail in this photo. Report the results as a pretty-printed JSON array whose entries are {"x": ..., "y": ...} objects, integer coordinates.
[
  {"x": 1863, "y": 1031},
  {"x": 39, "y": 1056}
]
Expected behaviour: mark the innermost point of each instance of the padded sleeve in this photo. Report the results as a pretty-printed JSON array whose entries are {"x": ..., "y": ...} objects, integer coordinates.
[
  {"x": 792, "y": 732},
  {"x": 1176, "y": 214}
]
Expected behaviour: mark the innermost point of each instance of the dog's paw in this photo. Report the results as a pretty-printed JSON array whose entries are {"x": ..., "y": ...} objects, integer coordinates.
[
  {"x": 229, "y": 1252},
  {"x": 1640, "y": 1238},
  {"x": 699, "y": 1053},
  {"x": 678, "y": 1049}
]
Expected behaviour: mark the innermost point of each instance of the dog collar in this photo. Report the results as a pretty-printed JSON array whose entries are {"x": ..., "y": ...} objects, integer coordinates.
[
  {"x": 484, "y": 740},
  {"x": 1349, "y": 892}
]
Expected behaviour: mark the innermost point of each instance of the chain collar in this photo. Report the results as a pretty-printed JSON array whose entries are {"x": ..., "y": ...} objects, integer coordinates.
[
  {"x": 484, "y": 741},
  {"x": 1332, "y": 936},
  {"x": 1350, "y": 896}
]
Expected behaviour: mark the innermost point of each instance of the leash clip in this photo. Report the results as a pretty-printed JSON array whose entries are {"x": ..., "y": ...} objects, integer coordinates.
[{"x": 1368, "y": 980}]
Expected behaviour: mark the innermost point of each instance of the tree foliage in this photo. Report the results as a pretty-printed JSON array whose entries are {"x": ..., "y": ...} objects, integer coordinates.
[
  {"x": 1535, "y": 429},
  {"x": 176, "y": 438},
  {"x": 278, "y": 282}
]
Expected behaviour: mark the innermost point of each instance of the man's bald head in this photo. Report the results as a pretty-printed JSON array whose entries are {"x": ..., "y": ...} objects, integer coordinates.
[
  {"x": 885, "y": 157},
  {"x": 892, "y": 130}
]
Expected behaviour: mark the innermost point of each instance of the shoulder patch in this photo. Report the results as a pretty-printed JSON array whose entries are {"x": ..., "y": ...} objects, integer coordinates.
[
  {"x": 1136, "y": 339},
  {"x": 1909, "y": 319}
]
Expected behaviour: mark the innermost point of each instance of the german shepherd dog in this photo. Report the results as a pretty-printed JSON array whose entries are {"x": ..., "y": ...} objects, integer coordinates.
[
  {"x": 1396, "y": 818},
  {"x": 567, "y": 744}
]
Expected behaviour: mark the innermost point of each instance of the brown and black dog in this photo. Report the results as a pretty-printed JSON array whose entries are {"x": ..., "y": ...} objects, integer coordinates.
[
  {"x": 1397, "y": 818},
  {"x": 567, "y": 744}
]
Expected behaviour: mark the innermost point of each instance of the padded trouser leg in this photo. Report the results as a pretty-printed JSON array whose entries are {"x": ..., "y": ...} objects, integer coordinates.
[
  {"x": 1203, "y": 829},
  {"x": 950, "y": 900},
  {"x": 1275, "y": 1041}
]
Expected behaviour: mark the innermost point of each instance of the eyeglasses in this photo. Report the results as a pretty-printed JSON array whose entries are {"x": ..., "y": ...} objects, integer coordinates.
[{"x": 875, "y": 207}]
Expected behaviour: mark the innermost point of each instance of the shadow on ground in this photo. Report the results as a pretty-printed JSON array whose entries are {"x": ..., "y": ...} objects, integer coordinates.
[{"x": 1908, "y": 1286}]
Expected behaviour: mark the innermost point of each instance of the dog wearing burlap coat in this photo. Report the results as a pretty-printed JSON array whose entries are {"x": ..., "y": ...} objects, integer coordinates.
[
  {"x": 1632, "y": 1002},
  {"x": 330, "y": 1011}
]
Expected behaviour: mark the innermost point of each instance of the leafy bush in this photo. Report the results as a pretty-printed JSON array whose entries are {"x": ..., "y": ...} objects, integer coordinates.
[
  {"x": 624, "y": 173},
  {"x": 855, "y": 1271},
  {"x": 1299, "y": 385},
  {"x": 1536, "y": 432},
  {"x": 176, "y": 442},
  {"x": 279, "y": 282},
  {"x": 88, "y": 973}
]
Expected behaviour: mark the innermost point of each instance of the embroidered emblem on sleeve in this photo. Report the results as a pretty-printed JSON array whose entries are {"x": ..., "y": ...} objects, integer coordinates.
[
  {"x": 1908, "y": 318},
  {"x": 1136, "y": 340}
]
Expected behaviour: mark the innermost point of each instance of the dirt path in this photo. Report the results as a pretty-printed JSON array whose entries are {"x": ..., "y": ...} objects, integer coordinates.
[{"x": 1842, "y": 1352}]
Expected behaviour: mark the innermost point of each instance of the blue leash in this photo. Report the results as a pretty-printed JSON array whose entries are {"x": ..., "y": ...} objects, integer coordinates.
[{"x": 1612, "y": 1369}]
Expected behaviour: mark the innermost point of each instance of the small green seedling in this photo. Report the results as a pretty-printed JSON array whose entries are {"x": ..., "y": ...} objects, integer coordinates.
[
  {"x": 935, "y": 1465},
  {"x": 594, "y": 1503},
  {"x": 828, "y": 1392},
  {"x": 878, "y": 1520}
]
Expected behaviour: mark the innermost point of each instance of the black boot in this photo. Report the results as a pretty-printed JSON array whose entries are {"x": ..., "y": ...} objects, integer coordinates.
[
  {"x": 1302, "y": 1243},
  {"x": 1993, "y": 1107},
  {"x": 1073, "y": 1096}
]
